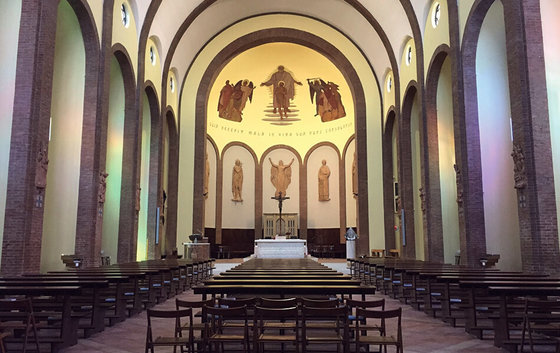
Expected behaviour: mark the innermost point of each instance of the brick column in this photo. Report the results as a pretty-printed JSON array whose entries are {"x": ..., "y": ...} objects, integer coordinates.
[
  {"x": 531, "y": 134},
  {"x": 23, "y": 227},
  {"x": 89, "y": 223},
  {"x": 472, "y": 231}
]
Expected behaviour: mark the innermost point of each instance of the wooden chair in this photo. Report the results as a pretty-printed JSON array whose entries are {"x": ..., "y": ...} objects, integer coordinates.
[
  {"x": 218, "y": 329},
  {"x": 276, "y": 325},
  {"x": 394, "y": 253},
  {"x": 197, "y": 326},
  {"x": 320, "y": 303},
  {"x": 16, "y": 315},
  {"x": 353, "y": 305},
  {"x": 361, "y": 331},
  {"x": 541, "y": 323},
  {"x": 177, "y": 340},
  {"x": 325, "y": 326}
]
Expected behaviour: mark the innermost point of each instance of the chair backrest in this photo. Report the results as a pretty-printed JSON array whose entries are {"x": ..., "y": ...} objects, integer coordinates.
[
  {"x": 193, "y": 304},
  {"x": 363, "y": 304},
  {"x": 382, "y": 315},
  {"x": 265, "y": 313},
  {"x": 219, "y": 313},
  {"x": 278, "y": 303},
  {"x": 168, "y": 314},
  {"x": 333, "y": 313},
  {"x": 319, "y": 303},
  {"x": 237, "y": 302}
]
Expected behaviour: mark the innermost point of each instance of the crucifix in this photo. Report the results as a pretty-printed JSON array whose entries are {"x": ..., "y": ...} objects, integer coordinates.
[{"x": 280, "y": 199}]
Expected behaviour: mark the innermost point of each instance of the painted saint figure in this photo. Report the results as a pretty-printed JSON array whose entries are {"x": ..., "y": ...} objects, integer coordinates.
[
  {"x": 289, "y": 82},
  {"x": 328, "y": 102},
  {"x": 281, "y": 98},
  {"x": 223, "y": 102},
  {"x": 281, "y": 177},
  {"x": 234, "y": 98},
  {"x": 237, "y": 181},
  {"x": 324, "y": 174}
]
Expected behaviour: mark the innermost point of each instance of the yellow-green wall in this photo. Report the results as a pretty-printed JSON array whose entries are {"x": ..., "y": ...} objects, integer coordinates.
[
  {"x": 63, "y": 177},
  {"x": 115, "y": 130},
  {"x": 494, "y": 116},
  {"x": 550, "y": 13},
  {"x": 415, "y": 141},
  {"x": 446, "y": 150},
  {"x": 142, "y": 249},
  {"x": 126, "y": 36},
  {"x": 434, "y": 37},
  {"x": 10, "y": 13}
]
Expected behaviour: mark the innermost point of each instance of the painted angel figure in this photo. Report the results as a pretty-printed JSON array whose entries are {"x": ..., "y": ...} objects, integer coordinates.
[{"x": 280, "y": 176}]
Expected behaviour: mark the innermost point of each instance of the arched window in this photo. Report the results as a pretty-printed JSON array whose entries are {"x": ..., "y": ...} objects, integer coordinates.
[
  {"x": 171, "y": 84},
  {"x": 152, "y": 55},
  {"x": 389, "y": 83},
  {"x": 125, "y": 17},
  {"x": 436, "y": 14},
  {"x": 409, "y": 55}
]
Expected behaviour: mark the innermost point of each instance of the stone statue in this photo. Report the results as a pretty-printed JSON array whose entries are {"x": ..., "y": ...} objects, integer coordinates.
[
  {"x": 41, "y": 167},
  {"x": 137, "y": 205},
  {"x": 459, "y": 185},
  {"x": 422, "y": 199},
  {"x": 206, "y": 176},
  {"x": 519, "y": 173},
  {"x": 355, "y": 176},
  {"x": 281, "y": 177},
  {"x": 237, "y": 181},
  {"x": 324, "y": 174},
  {"x": 102, "y": 187}
]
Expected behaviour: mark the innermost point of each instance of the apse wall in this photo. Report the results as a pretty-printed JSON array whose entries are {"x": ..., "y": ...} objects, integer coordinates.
[
  {"x": 10, "y": 13},
  {"x": 188, "y": 112},
  {"x": 550, "y": 13},
  {"x": 494, "y": 117},
  {"x": 64, "y": 150}
]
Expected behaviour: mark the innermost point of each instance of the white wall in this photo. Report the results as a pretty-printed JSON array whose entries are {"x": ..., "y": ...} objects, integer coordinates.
[
  {"x": 494, "y": 116},
  {"x": 10, "y": 13},
  {"x": 323, "y": 214},
  {"x": 550, "y": 13},
  {"x": 446, "y": 147},
  {"x": 238, "y": 215},
  {"x": 63, "y": 177}
]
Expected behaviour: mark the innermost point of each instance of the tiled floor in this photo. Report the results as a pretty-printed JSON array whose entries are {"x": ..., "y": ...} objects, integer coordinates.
[{"x": 420, "y": 332}]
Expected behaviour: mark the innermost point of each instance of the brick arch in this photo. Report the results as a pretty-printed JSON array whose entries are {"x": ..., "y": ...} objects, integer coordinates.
[
  {"x": 433, "y": 227},
  {"x": 405, "y": 171},
  {"x": 306, "y": 39},
  {"x": 388, "y": 193}
]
